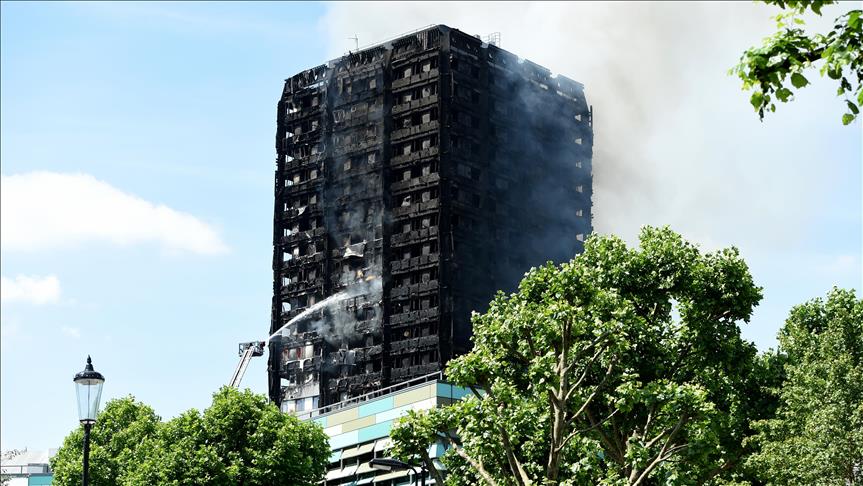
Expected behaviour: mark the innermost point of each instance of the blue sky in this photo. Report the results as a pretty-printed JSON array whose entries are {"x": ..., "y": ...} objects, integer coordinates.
[{"x": 151, "y": 126}]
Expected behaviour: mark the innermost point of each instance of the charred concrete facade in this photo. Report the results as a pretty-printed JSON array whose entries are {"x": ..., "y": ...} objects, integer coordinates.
[{"x": 414, "y": 179}]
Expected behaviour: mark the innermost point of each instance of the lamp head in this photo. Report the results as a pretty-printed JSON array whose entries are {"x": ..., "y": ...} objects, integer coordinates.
[{"x": 88, "y": 387}]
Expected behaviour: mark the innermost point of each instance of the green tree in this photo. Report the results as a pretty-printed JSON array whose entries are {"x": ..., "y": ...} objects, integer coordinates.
[
  {"x": 241, "y": 439},
  {"x": 122, "y": 426},
  {"x": 623, "y": 366},
  {"x": 772, "y": 69},
  {"x": 816, "y": 436}
]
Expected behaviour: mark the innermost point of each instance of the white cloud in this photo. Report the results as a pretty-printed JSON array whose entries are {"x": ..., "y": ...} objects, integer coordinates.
[
  {"x": 34, "y": 290},
  {"x": 72, "y": 332},
  {"x": 47, "y": 210}
]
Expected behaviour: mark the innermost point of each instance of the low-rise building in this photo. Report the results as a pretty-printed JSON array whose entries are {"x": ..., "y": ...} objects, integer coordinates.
[
  {"x": 359, "y": 429},
  {"x": 27, "y": 468}
]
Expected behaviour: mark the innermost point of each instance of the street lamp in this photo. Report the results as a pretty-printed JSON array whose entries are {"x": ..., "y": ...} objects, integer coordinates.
[
  {"x": 388, "y": 464},
  {"x": 88, "y": 386}
]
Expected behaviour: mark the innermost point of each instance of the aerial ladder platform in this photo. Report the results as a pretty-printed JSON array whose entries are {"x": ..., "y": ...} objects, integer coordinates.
[{"x": 247, "y": 352}]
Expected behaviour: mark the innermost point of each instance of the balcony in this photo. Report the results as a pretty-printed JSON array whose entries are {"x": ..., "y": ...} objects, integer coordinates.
[
  {"x": 400, "y": 239},
  {"x": 415, "y": 183},
  {"x": 355, "y": 148},
  {"x": 304, "y": 235},
  {"x": 302, "y": 260},
  {"x": 416, "y": 208},
  {"x": 405, "y": 159},
  {"x": 414, "y": 131},
  {"x": 415, "y": 317},
  {"x": 415, "y": 104},
  {"x": 423, "y": 77},
  {"x": 302, "y": 287},
  {"x": 414, "y": 344},
  {"x": 412, "y": 371},
  {"x": 414, "y": 289},
  {"x": 310, "y": 210},
  {"x": 415, "y": 263}
]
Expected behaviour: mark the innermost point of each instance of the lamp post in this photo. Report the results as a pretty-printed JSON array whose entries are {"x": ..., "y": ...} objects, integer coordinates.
[
  {"x": 388, "y": 464},
  {"x": 88, "y": 387}
]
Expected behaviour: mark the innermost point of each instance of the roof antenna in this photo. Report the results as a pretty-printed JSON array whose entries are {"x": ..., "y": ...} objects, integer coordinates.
[{"x": 356, "y": 41}]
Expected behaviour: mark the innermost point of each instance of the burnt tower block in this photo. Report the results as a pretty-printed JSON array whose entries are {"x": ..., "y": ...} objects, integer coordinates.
[{"x": 414, "y": 180}]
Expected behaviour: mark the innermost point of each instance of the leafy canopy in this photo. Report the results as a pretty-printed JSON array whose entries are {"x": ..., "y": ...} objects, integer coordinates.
[
  {"x": 241, "y": 439},
  {"x": 790, "y": 52},
  {"x": 623, "y": 366},
  {"x": 120, "y": 428},
  {"x": 816, "y": 436}
]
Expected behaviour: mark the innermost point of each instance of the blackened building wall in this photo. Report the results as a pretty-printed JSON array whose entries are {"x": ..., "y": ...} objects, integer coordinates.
[{"x": 414, "y": 179}]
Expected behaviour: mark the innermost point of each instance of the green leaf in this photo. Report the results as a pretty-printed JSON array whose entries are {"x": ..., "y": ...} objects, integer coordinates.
[
  {"x": 783, "y": 94},
  {"x": 615, "y": 303},
  {"x": 798, "y": 80},
  {"x": 757, "y": 99},
  {"x": 854, "y": 19},
  {"x": 847, "y": 118},
  {"x": 852, "y": 107},
  {"x": 820, "y": 395}
]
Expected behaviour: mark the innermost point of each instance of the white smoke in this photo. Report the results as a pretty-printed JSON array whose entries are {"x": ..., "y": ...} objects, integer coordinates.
[
  {"x": 331, "y": 318},
  {"x": 676, "y": 141},
  {"x": 338, "y": 325}
]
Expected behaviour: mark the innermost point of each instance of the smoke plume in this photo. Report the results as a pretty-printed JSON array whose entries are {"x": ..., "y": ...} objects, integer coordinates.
[{"x": 676, "y": 141}]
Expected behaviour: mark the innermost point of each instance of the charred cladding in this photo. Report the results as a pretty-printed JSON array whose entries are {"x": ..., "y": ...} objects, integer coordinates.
[{"x": 414, "y": 179}]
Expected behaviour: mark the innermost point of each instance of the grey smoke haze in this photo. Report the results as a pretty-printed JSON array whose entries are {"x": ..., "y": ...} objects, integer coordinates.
[{"x": 676, "y": 141}]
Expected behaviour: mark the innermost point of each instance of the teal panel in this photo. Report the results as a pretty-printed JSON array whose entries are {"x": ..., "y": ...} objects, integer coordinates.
[
  {"x": 451, "y": 391},
  {"x": 376, "y": 406},
  {"x": 343, "y": 440},
  {"x": 375, "y": 431},
  {"x": 392, "y": 414},
  {"x": 321, "y": 421},
  {"x": 436, "y": 450},
  {"x": 40, "y": 480},
  {"x": 335, "y": 456}
]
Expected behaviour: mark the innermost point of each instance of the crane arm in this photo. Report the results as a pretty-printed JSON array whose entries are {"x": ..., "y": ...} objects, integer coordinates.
[{"x": 247, "y": 352}]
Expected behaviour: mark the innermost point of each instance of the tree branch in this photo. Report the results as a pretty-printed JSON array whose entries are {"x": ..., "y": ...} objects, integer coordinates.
[
  {"x": 473, "y": 462},
  {"x": 515, "y": 465},
  {"x": 672, "y": 431},
  {"x": 613, "y": 448},
  {"x": 438, "y": 477},
  {"x": 586, "y": 429},
  {"x": 596, "y": 390},
  {"x": 665, "y": 452},
  {"x": 584, "y": 373}
]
